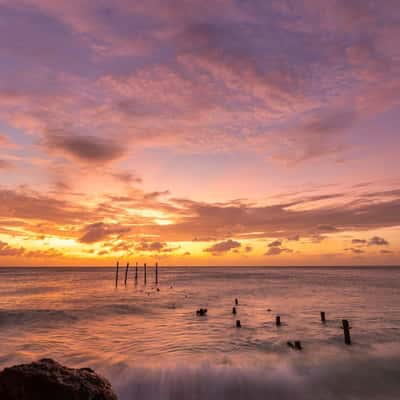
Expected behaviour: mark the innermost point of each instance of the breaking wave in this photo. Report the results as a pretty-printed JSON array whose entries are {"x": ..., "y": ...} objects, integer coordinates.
[{"x": 365, "y": 378}]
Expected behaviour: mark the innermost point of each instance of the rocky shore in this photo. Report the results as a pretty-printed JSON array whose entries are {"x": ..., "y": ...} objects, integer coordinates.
[{"x": 46, "y": 379}]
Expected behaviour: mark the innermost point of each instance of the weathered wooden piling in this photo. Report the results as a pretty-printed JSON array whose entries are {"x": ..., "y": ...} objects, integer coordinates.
[
  {"x": 234, "y": 310},
  {"x": 278, "y": 320},
  {"x": 238, "y": 324},
  {"x": 297, "y": 345},
  {"x": 136, "y": 273},
  {"x": 156, "y": 273},
  {"x": 116, "y": 275},
  {"x": 126, "y": 273},
  {"x": 236, "y": 301},
  {"x": 145, "y": 273},
  {"x": 323, "y": 316},
  {"x": 346, "y": 330}
]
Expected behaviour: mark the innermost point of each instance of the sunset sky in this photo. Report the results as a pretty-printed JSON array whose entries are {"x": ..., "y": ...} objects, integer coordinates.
[{"x": 224, "y": 132}]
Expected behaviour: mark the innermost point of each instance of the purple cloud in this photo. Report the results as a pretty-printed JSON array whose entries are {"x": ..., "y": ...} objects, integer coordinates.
[
  {"x": 86, "y": 148},
  {"x": 359, "y": 241},
  {"x": 377, "y": 241},
  {"x": 158, "y": 247},
  {"x": 276, "y": 251},
  {"x": 99, "y": 231},
  {"x": 275, "y": 243},
  {"x": 355, "y": 250},
  {"x": 223, "y": 247}
]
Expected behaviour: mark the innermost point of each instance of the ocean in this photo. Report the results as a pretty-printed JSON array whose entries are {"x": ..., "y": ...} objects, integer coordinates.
[{"x": 151, "y": 344}]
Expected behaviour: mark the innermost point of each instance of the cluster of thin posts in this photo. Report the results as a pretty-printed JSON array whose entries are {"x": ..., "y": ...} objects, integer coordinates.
[
  {"x": 297, "y": 344},
  {"x": 136, "y": 274}
]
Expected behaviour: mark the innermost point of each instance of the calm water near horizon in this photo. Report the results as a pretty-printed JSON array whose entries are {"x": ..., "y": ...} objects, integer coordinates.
[{"x": 151, "y": 344}]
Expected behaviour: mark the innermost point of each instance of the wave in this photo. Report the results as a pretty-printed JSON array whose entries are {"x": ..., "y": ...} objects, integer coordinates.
[
  {"x": 116, "y": 309},
  {"x": 364, "y": 378},
  {"x": 54, "y": 317},
  {"x": 27, "y": 316}
]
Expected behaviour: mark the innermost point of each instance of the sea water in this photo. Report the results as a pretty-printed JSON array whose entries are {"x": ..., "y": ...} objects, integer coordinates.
[{"x": 151, "y": 344}]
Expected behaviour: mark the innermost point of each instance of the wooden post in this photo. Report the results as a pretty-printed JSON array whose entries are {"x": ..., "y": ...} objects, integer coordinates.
[
  {"x": 136, "y": 274},
  {"x": 238, "y": 324},
  {"x": 323, "y": 316},
  {"x": 297, "y": 345},
  {"x": 236, "y": 301},
  {"x": 278, "y": 320},
  {"x": 145, "y": 273},
  {"x": 346, "y": 330},
  {"x": 116, "y": 275},
  {"x": 234, "y": 310},
  {"x": 126, "y": 273},
  {"x": 156, "y": 273}
]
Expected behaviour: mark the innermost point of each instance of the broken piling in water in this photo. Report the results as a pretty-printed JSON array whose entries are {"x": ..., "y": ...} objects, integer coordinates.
[
  {"x": 116, "y": 275},
  {"x": 296, "y": 345},
  {"x": 126, "y": 273},
  {"x": 346, "y": 331}
]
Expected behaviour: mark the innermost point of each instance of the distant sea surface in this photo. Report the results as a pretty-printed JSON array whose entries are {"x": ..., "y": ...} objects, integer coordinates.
[{"x": 151, "y": 344}]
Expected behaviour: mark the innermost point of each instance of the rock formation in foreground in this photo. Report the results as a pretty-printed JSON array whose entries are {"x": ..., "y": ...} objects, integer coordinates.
[{"x": 48, "y": 380}]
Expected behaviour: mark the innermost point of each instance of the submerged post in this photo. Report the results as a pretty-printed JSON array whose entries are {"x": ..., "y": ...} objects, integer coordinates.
[
  {"x": 297, "y": 345},
  {"x": 238, "y": 324},
  {"x": 156, "y": 273},
  {"x": 234, "y": 310},
  {"x": 116, "y": 275},
  {"x": 278, "y": 320},
  {"x": 136, "y": 274},
  {"x": 346, "y": 330},
  {"x": 236, "y": 301},
  {"x": 323, "y": 316},
  {"x": 126, "y": 273},
  {"x": 145, "y": 273}
]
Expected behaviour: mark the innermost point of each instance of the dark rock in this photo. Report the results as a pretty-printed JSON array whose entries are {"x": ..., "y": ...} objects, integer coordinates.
[{"x": 48, "y": 380}]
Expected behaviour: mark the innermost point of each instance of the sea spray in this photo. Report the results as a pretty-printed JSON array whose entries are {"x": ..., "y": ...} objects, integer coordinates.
[{"x": 366, "y": 377}]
